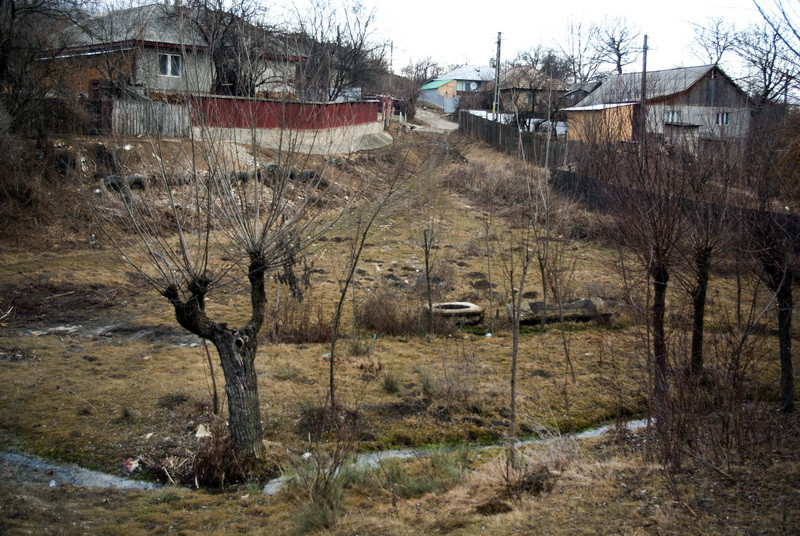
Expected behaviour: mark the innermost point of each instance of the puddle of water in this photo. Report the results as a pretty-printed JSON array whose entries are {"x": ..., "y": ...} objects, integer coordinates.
[
  {"x": 34, "y": 468},
  {"x": 374, "y": 459}
]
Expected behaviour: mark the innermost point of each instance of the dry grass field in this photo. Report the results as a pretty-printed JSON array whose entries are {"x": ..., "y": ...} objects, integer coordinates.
[{"x": 95, "y": 370}]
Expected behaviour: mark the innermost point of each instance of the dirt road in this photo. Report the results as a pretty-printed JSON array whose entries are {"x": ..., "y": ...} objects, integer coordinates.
[{"x": 433, "y": 121}]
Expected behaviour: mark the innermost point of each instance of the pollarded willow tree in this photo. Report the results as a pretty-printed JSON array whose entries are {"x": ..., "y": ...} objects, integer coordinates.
[
  {"x": 222, "y": 213},
  {"x": 203, "y": 231}
]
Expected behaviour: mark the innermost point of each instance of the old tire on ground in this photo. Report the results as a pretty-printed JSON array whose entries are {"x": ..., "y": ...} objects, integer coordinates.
[{"x": 460, "y": 311}]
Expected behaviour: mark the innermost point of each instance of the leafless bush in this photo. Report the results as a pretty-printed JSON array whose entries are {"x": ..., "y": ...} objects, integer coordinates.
[
  {"x": 575, "y": 222},
  {"x": 389, "y": 313},
  {"x": 453, "y": 382},
  {"x": 529, "y": 471},
  {"x": 300, "y": 322},
  {"x": 218, "y": 462},
  {"x": 317, "y": 479},
  {"x": 721, "y": 415},
  {"x": 497, "y": 187},
  {"x": 459, "y": 378}
]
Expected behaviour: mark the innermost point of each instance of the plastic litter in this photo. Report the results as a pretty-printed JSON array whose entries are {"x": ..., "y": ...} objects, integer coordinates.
[
  {"x": 52, "y": 483},
  {"x": 133, "y": 464}
]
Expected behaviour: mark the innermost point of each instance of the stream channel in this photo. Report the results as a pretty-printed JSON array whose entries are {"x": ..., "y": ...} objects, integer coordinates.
[
  {"x": 24, "y": 467},
  {"x": 374, "y": 459}
]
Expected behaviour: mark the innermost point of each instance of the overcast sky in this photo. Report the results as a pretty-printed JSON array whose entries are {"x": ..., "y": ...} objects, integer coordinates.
[{"x": 455, "y": 33}]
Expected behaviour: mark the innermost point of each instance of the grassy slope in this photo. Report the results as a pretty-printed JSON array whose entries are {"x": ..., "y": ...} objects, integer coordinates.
[{"x": 98, "y": 399}]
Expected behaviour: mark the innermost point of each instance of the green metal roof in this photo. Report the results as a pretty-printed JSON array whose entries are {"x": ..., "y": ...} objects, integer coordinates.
[{"x": 434, "y": 84}]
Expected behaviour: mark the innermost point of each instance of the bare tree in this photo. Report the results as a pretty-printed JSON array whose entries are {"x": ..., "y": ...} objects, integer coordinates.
[
  {"x": 237, "y": 43},
  {"x": 225, "y": 227},
  {"x": 711, "y": 172},
  {"x": 616, "y": 41},
  {"x": 220, "y": 227},
  {"x": 515, "y": 258},
  {"x": 647, "y": 193},
  {"x": 579, "y": 50},
  {"x": 422, "y": 71},
  {"x": 713, "y": 40},
  {"x": 29, "y": 40},
  {"x": 771, "y": 68},
  {"x": 771, "y": 229},
  {"x": 362, "y": 220},
  {"x": 784, "y": 19},
  {"x": 534, "y": 84},
  {"x": 341, "y": 49}
]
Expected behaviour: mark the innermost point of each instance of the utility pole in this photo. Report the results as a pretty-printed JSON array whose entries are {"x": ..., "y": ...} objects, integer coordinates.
[
  {"x": 496, "y": 101},
  {"x": 643, "y": 103}
]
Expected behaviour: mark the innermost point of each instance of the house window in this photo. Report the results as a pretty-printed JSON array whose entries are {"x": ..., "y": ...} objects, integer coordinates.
[
  {"x": 169, "y": 65},
  {"x": 723, "y": 118},
  {"x": 672, "y": 116}
]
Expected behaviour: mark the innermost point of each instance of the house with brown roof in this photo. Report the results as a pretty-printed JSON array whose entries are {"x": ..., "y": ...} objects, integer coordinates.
[
  {"x": 164, "y": 48},
  {"x": 684, "y": 105},
  {"x": 527, "y": 90}
]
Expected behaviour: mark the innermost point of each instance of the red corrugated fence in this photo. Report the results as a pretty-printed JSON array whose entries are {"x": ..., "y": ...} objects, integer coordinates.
[{"x": 226, "y": 112}]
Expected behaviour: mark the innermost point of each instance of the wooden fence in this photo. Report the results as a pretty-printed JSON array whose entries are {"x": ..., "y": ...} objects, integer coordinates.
[
  {"x": 510, "y": 140},
  {"x": 150, "y": 118}
]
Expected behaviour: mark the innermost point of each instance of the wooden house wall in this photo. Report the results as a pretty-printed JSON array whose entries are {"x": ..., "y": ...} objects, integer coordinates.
[
  {"x": 448, "y": 90},
  {"x": 609, "y": 125},
  {"x": 717, "y": 91}
]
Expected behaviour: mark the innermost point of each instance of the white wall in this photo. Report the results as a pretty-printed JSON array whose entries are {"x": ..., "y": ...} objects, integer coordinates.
[
  {"x": 197, "y": 76},
  {"x": 342, "y": 140}
]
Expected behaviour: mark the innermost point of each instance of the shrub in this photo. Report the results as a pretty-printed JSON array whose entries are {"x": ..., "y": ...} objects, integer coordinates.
[
  {"x": 454, "y": 383},
  {"x": 527, "y": 471},
  {"x": 359, "y": 347},
  {"x": 320, "y": 477},
  {"x": 300, "y": 322},
  {"x": 388, "y": 314},
  {"x": 390, "y": 383},
  {"x": 218, "y": 462},
  {"x": 436, "y": 473},
  {"x": 321, "y": 422}
]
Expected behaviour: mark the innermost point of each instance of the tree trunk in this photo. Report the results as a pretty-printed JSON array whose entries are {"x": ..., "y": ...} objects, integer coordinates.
[
  {"x": 427, "y": 238},
  {"x": 237, "y": 352},
  {"x": 660, "y": 276},
  {"x": 703, "y": 266},
  {"x": 785, "y": 342},
  {"x": 779, "y": 277}
]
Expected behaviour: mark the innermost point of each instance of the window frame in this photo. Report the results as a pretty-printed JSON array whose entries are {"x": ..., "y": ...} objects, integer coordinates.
[
  {"x": 722, "y": 119},
  {"x": 169, "y": 62},
  {"x": 673, "y": 116}
]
